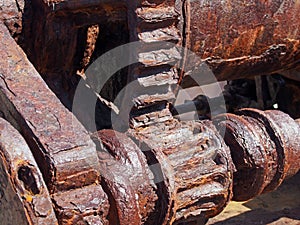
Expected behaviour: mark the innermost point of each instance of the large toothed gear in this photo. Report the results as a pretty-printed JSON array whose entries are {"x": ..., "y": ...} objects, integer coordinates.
[{"x": 194, "y": 166}]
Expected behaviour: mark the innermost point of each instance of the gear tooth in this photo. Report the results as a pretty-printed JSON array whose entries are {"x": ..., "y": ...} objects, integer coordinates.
[
  {"x": 159, "y": 57},
  {"x": 161, "y": 34},
  {"x": 154, "y": 15},
  {"x": 157, "y": 79}
]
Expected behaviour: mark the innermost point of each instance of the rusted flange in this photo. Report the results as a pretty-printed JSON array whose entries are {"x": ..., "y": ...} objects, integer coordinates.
[
  {"x": 24, "y": 197},
  {"x": 127, "y": 178},
  {"x": 190, "y": 159},
  {"x": 249, "y": 146},
  {"x": 264, "y": 147},
  {"x": 284, "y": 131}
]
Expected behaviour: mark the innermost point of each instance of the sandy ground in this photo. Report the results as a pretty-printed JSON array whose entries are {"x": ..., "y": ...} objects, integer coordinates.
[{"x": 275, "y": 208}]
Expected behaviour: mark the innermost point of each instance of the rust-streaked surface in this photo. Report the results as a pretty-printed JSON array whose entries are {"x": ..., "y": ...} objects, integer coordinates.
[
  {"x": 248, "y": 153},
  {"x": 235, "y": 38},
  {"x": 62, "y": 147},
  {"x": 284, "y": 131},
  {"x": 11, "y": 14},
  {"x": 24, "y": 197},
  {"x": 240, "y": 39}
]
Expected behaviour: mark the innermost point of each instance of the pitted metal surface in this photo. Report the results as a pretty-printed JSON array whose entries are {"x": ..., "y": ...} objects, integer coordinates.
[
  {"x": 24, "y": 195},
  {"x": 162, "y": 170}
]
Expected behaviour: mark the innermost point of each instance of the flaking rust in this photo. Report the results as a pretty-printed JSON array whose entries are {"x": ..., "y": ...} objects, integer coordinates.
[
  {"x": 264, "y": 147},
  {"x": 240, "y": 39},
  {"x": 43, "y": 120},
  {"x": 194, "y": 161},
  {"x": 56, "y": 139},
  {"x": 127, "y": 177},
  {"x": 161, "y": 170}
]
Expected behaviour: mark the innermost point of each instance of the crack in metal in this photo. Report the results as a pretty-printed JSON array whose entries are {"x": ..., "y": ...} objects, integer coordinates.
[
  {"x": 18, "y": 6},
  {"x": 68, "y": 149},
  {"x": 57, "y": 120},
  {"x": 8, "y": 88}
]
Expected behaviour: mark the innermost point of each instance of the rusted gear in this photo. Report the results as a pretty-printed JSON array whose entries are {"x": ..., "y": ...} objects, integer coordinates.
[
  {"x": 205, "y": 166},
  {"x": 190, "y": 159},
  {"x": 151, "y": 23},
  {"x": 264, "y": 147}
]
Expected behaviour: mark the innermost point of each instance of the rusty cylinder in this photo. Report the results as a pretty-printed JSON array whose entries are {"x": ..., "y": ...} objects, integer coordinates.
[
  {"x": 264, "y": 147},
  {"x": 243, "y": 39}
]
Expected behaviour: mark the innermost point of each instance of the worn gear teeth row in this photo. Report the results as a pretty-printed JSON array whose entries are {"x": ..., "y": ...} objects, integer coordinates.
[
  {"x": 153, "y": 183},
  {"x": 156, "y": 71}
]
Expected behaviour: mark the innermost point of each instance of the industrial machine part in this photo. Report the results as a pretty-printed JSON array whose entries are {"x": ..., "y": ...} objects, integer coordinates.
[
  {"x": 264, "y": 148},
  {"x": 24, "y": 196},
  {"x": 161, "y": 170}
]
